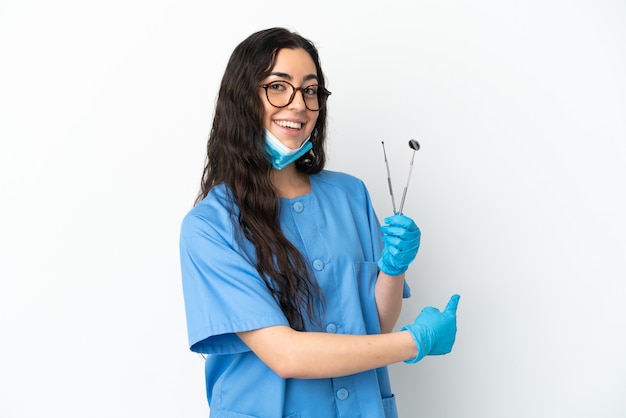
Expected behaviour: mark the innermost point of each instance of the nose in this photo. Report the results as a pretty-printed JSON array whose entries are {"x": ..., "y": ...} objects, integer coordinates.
[{"x": 297, "y": 104}]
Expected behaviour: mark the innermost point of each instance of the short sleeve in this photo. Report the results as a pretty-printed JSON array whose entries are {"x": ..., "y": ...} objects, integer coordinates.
[{"x": 223, "y": 291}]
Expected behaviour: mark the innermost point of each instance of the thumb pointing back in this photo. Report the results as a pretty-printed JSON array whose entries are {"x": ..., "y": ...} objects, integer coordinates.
[{"x": 452, "y": 304}]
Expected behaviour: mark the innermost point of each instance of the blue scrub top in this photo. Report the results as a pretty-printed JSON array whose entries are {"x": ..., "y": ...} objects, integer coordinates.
[{"x": 336, "y": 229}]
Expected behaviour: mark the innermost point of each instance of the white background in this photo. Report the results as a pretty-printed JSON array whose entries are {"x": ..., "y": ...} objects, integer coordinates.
[{"x": 520, "y": 108}]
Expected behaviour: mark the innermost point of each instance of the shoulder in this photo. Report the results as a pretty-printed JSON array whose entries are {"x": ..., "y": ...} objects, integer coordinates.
[
  {"x": 338, "y": 189},
  {"x": 339, "y": 179},
  {"x": 213, "y": 213}
]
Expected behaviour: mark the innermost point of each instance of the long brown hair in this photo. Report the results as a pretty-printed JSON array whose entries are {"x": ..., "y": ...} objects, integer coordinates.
[{"x": 236, "y": 156}]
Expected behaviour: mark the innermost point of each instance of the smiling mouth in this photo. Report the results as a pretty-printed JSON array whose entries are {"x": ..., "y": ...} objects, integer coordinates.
[{"x": 288, "y": 124}]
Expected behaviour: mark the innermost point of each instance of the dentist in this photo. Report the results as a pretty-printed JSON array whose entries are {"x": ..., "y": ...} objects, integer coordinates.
[{"x": 292, "y": 288}]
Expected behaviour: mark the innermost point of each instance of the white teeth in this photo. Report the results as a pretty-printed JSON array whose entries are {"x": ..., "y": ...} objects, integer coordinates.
[{"x": 289, "y": 124}]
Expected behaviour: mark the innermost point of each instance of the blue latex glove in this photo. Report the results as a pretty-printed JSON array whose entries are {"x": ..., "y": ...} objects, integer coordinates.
[
  {"x": 434, "y": 331},
  {"x": 402, "y": 240}
]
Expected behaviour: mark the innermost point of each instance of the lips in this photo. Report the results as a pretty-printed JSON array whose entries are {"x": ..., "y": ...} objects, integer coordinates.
[{"x": 288, "y": 124}]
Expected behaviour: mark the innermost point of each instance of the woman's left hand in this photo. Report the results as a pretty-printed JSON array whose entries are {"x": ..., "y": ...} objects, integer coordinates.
[{"x": 402, "y": 240}]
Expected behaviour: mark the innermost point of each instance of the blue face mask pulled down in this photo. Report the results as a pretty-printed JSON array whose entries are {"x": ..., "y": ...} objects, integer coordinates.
[{"x": 281, "y": 155}]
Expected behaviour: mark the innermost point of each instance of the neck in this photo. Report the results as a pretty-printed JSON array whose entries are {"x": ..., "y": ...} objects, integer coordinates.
[{"x": 290, "y": 183}]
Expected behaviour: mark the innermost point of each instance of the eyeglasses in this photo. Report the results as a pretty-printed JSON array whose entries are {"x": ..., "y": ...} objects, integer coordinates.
[{"x": 281, "y": 93}]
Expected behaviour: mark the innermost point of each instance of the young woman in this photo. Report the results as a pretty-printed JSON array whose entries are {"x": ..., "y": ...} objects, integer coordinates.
[{"x": 292, "y": 289}]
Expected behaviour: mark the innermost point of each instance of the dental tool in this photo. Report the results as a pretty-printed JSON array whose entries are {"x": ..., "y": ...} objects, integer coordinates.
[
  {"x": 414, "y": 145},
  {"x": 393, "y": 202}
]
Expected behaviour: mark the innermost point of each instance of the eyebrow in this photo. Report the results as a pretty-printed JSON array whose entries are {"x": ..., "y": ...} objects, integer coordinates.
[{"x": 288, "y": 77}]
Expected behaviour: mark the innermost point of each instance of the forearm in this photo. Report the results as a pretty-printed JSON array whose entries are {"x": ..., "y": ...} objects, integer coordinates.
[
  {"x": 313, "y": 355},
  {"x": 388, "y": 294}
]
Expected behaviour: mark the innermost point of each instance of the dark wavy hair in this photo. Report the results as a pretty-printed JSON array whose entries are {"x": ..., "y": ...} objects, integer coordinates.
[{"x": 236, "y": 156}]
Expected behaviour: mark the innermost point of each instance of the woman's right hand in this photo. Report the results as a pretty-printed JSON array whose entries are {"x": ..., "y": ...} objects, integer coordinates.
[{"x": 434, "y": 331}]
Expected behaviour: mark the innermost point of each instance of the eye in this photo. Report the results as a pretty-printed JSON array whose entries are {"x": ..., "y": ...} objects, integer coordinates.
[
  {"x": 310, "y": 90},
  {"x": 277, "y": 86}
]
